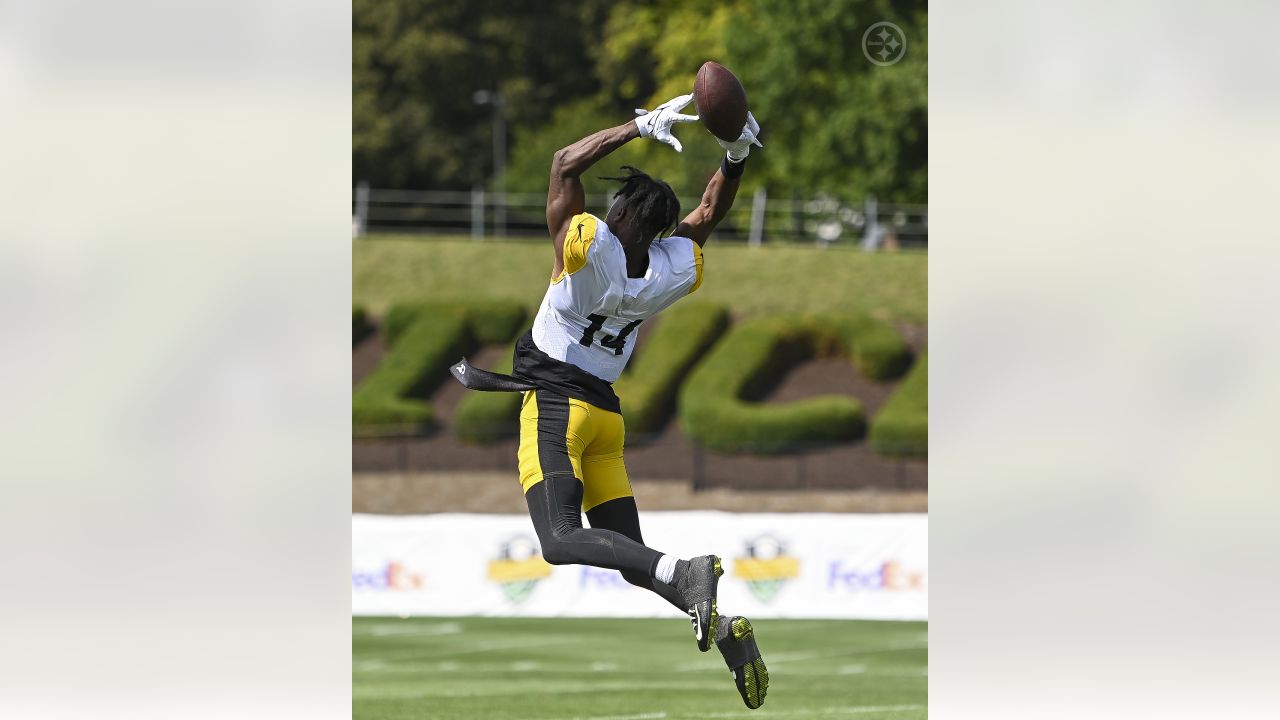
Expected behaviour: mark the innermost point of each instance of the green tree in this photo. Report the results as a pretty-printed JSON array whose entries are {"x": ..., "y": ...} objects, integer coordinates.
[
  {"x": 839, "y": 123},
  {"x": 416, "y": 66},
  {"x": 833, "y": 122}
]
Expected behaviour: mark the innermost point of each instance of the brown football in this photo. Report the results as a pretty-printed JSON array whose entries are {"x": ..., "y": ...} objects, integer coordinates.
[{"x": 721, "y": 101}]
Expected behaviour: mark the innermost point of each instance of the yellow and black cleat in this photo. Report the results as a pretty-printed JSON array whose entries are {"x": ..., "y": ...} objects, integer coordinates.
[
  {"x": 737, "y": 642},
  {"x": 697, "y": 581}
]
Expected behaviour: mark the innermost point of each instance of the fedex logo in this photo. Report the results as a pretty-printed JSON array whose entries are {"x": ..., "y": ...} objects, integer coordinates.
[
  {"x": 890, "y": 576},
  {"x": 393, "y": 576}
]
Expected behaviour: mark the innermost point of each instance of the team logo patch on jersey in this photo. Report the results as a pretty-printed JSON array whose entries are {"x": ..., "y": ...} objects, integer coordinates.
[
  {"x": 766, "y": 567},
  {"x": 518, "y": 568}
]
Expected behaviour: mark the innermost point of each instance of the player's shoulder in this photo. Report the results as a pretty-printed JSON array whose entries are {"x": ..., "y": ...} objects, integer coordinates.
[
  {"x": 582, "y": 227},
  {"x": 588, "y": 228},
  {"x": 682, "y": 251},
  {"x": 683, "y": 260},
  {"x": 587, "y": 241}
]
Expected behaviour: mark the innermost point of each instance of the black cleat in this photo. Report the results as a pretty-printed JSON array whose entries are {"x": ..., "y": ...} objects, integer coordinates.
[
  {"x": 737, "y": 643},
  {"x": 696, "y": 581}
]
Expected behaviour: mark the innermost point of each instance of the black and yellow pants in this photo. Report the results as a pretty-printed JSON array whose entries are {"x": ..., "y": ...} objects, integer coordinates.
[{"x": 571, "y": 460}]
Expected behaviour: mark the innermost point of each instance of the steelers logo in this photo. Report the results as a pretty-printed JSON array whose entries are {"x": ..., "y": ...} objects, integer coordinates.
[{"x": 884, "y": 44}]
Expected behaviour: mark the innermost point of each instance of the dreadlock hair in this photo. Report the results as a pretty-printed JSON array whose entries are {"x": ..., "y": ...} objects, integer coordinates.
[{"x": 652, "y": 201}]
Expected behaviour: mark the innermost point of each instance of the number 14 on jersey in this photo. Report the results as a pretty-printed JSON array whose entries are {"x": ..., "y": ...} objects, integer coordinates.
[{"x": 613, "y": 343}]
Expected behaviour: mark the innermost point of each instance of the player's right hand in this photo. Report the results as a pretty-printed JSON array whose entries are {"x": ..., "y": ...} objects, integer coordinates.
[
  {"x": 740, "y": 148},
  {"x": 657, "y": 123}
]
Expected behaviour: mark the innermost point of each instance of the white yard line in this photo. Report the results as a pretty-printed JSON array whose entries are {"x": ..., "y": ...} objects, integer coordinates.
[
  {"x": 769, "y": 659},
  {"x": 849, "y": 710},
  {"x": 772, "y": 659},
  {"x": 486, "y": 646},
  {"x": 395, "y": 630},
  {"x": 776, "y": 659},
  {"x": 697, "y": 665},
  {"x": 490, "y": 691},
  {"x": 433, "y": 653},
  {"x": 641, "y": 716}
]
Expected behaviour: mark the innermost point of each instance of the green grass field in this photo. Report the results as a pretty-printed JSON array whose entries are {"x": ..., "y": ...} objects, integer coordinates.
[
  {"x": 387, "y": 269},
  {"x": 615, "y": 669}
]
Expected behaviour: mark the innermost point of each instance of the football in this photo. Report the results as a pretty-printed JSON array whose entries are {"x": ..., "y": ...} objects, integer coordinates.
[{"x": 721, "y": 101}]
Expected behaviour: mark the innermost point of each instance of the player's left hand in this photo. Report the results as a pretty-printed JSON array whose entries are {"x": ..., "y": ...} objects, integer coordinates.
[
  {"x": 740, "y": 148},
  {"x": 657, "y": 123}
]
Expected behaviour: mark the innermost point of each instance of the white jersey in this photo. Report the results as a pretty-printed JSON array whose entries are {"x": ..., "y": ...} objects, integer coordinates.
[{"x": 591, "y": 310}]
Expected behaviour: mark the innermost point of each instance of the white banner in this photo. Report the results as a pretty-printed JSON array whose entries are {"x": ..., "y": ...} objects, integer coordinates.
[{"x": 783, "y": 565}]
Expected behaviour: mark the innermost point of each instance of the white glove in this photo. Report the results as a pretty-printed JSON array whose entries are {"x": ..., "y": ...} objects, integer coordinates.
[
  {"x": 657, "y": 124},
  {"x": 740, "y": 148}
]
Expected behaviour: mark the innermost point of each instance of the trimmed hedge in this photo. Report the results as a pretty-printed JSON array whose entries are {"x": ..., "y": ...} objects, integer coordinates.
[
  {"x": 418, "y": 358},
  {"x": 877, "y": 350},
  {"x": 716, "y": 404},
  {"x": 359, "y": 324},
  {"x": 496, "y": 321},
  {"x": 648, "y": 388},
  {"x": 484, "y": 417},
  {"x": 489, "y": 321},
  {"x": 423, "y": 339},
  {"x": 901, "y": 427}
]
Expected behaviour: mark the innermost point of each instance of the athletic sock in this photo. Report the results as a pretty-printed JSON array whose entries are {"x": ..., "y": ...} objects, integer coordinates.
[{"x": 666, "y": 570}]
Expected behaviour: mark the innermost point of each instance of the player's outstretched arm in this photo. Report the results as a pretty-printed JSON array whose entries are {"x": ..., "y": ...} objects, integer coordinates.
[
  {"x": 716, "y": 201},
  {"x": 565, "y": 195},
  {"x": 723, "y": 188}
]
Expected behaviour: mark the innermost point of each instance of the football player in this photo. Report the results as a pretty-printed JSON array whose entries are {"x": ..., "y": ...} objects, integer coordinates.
[{"x": 608, "y": 275}]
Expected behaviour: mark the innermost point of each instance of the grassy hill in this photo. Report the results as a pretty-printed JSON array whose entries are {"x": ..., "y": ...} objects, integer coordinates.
[{"x": 388, "y": 269}]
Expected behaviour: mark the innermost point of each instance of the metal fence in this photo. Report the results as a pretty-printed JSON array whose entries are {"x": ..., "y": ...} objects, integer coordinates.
[{"x": 756, "y": 219}]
